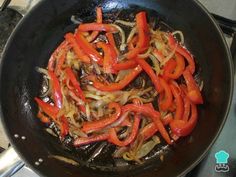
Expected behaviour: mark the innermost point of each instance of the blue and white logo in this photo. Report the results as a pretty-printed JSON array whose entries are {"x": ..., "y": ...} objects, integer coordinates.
[{"x": 221, "y": 161}]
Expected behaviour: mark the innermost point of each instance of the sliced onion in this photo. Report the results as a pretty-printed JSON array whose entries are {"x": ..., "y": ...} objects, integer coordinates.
[
  {"x": 180, "y": 33},
  {"x": 75, "y": 20},
  {"x": 167, "y": 58},
  {"x": 156, "y": 65},
  {"x": 126, "y": 23},
  {"x": 121, "y": 74},
  {"x": 119, "y": 121},
  {"x": 146, "y": 148},
  {"x": 77, "y": 99},
  {"x": 93, "y": 96},
  {"x": 87, "y": 112},
  {"x": 122, "y": 35},
  {"x": 42, "y": 71},
  {"x": 146, "y": 54},
  {"x": 120, "y": 151},
  {"x": 131, "y": 34},
  {"x": 96, "y": 68}
]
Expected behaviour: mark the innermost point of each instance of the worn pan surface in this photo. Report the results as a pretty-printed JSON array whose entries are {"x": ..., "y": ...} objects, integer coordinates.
[{"x": 42, "y": 30}]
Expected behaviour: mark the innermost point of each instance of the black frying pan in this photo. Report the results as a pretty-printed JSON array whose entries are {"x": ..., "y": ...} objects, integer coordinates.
[{"x": 42, "y": 30}]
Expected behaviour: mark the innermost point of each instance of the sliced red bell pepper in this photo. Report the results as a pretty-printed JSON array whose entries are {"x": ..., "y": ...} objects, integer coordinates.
[
  {"x": 111, "y": 40},
  {"x": 186, "y": 109},
  {"x": 97, "y": 27},
  {"x": 125, "y": 65},
  {"x": 193, "y": 90},
  {"x": 71, "y": 76},
  {"x": 149, "y": 130},
  {"x": 92, "y": 139},
  {"x": 43, "y": 118},
  {"x": 110, "y": 57},
  {"x": 52, "y": 60},
  {"x": 143, "y": 36},
  {"x": 70, "y": 38},
  {"x": 99, "y": 124},
  {"x": 56, "y": 89},
  {"x": 99, "y": 20},
  {"x": 88, "y": 49},
  {"x": 183, "y": 128},
  {"x": 132, "y": 43},
  {"x": 182, "y": 51},
  {"x": 165, "y": 102},
  {"x": 158, "y": 54},
  {"x": 121, "y": 84},
  {"x": 168, "y": 69},
  {"x": 48, "y": 109},
  {"x": 178, "y": 100},
  {"x": 115, "y": 140},
  {"x": 148, "y": 69},
  {"x": 64, "y": 126},
  {"x": 151, "y": 113},
  {"x": 174, "y": 68}
]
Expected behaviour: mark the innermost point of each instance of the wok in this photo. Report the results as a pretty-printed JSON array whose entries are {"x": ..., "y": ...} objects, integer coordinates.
[{"x": 42, "y": 29}]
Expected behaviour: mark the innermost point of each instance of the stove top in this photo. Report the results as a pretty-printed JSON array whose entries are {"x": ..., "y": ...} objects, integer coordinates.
[{"x": 211, "y": 166}]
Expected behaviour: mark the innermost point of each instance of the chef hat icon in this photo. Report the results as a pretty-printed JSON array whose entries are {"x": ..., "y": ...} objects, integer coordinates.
[{"x": 221, "y": 157}]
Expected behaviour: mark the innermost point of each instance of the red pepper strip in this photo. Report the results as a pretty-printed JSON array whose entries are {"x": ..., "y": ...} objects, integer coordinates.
[
  {"x": 51, "y": 62},
  {"x": 71, "y": 76},
  {"x": 97, "y": 27},
  {"x": 178, "y": 101},
  {"x": 193, "y": 90},
  {"x": 111, "y": 40},
  {"x": 50, "y": 110},
  {"x": 126, "y": 123},
  {"x": 121, "y": 84},
  {"x": 143, "y": 36},
  {"x": 158, "y": 54},
  {"x": 148, "y": 69},
  {"x": 99, "y": 124},
  {"x": 186, "y": 103},
  {"x": 64, "y": 126},
  {"x": 115, "y": 140},
  {"x": 125, "y": 65},
  {"x": 182, "y": 128},
  {"x": 168, "y": 69},
  {"x": 133, "y": 43},
  {"x": 88, "y": 48},
  {"x": 154, "y": 115},
  {"x": 76, "y": 47},
  {"x": 56, "y": 89},
  {"x": 166, "y": 102},
  {"x": 149, "y": 130},
  {"x": 177, "y": 71},
  {"x": 92, "y": 139},
  {"x": 186, "y": 109},
  {"x": 110, "y": 57},
  {"x": 99, "y": 20},
  {"x": 182, "y": 51},
  {"x": 43, "y": 118}
]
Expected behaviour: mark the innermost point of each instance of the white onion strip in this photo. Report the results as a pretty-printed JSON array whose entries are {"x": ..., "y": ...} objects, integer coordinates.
[
  {"x": 122, "y": 35},
  {"x": 180, "y": 35},
  {"x": 126, "y": 23}
]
